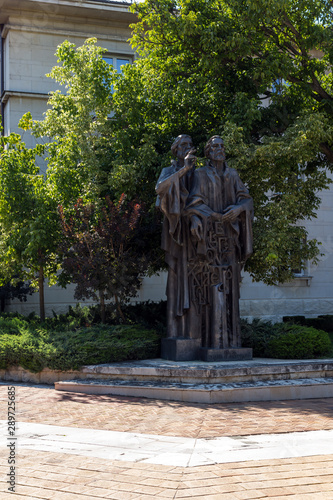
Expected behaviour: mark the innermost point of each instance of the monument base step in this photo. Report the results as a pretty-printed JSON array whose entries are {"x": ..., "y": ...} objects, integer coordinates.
[
  {"x": 185, "y": 349},
  {"x": 180, "y": 349},
  {"x": 232, "y": 354},
  {"x": 269, "y": 390}
]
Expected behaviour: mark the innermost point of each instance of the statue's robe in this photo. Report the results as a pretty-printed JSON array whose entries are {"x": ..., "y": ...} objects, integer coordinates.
[
  {"x": 216, "y": 261},
  {"x": 172, "y": 189}
]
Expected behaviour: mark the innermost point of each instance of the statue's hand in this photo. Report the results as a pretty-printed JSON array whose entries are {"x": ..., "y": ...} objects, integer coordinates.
[
  {"x": 231, "y": 213},
  {"x": 190, "y": 160},
  {"x": 196, "y": 229}
]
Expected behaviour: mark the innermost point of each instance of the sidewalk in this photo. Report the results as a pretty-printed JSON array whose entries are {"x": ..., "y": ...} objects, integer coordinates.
[{"x": 78, "y": 475}]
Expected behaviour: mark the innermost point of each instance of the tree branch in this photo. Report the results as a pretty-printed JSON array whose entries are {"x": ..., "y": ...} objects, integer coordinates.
[
  {"x": 315, "y": 85},
  {"x": 328, "y": 152}
]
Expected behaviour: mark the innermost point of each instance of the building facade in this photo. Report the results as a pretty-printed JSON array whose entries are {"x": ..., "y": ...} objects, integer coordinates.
[{"x": 30, "y": 32}]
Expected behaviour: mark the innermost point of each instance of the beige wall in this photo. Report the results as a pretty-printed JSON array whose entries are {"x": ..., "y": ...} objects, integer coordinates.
[{"x": 33, "y": 30}]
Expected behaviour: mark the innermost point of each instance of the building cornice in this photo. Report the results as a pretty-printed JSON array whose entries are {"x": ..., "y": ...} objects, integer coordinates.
[
  {"x": 90, "y": 9},
  {"x": 65, "y": 32},
  {"x": 27, "y": 95},
  {"x": 92, "y": 4}
]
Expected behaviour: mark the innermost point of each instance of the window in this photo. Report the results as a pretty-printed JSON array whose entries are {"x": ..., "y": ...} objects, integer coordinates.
[
  {"x": 278, "y": 85},
  {"x": 301, "y": 269},
  {"x": 117, "y": 62}
]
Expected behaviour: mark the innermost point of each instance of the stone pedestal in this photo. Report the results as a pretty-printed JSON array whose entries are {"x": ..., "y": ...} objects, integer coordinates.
[
  {"x": 238, "y": 354},
  {"x": 180, "y": 349}
]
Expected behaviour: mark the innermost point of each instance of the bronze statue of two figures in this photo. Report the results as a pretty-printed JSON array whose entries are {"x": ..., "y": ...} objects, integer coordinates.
[{"x": 207, "y": 237}]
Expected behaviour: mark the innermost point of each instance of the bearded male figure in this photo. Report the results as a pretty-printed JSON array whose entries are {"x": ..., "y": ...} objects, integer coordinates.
[
  {"x": 220, "y": 211},
  {"x": 172, "y": 188}
]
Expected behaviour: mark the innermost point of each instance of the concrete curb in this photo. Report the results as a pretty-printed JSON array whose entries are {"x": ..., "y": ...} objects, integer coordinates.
[
  {"x": 197, "y": 382},
  {"x": 207, "y": 393}
]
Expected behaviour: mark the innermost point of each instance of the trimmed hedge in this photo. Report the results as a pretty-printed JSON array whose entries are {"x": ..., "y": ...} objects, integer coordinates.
[
  {"x": 285, "y": 340},
  {"x": 66, "y": 342},
  {"x": 322, "y": 322},
  {"x": 299, "y": 342}
]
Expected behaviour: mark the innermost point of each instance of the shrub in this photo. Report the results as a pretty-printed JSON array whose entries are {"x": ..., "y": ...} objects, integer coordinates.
[
  {"x": 299, "y": 342},
  {"x": 285, "y": 340},
  {"x": 258, "y": 335},
  {"x": 26, "y": 350},
  {"x": 13, "y": 325},
  {"x": 150, "y": 314},
  {"x": 34, "y": 346},
  {"x": 322, "y": 322}
]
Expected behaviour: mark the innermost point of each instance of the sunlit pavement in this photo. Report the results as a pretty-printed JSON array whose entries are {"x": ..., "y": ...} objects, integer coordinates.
[{"x": 77, "y": 446}]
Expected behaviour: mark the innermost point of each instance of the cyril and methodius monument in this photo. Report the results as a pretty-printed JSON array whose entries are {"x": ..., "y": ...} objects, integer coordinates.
[{"x": 207, "y": 237}]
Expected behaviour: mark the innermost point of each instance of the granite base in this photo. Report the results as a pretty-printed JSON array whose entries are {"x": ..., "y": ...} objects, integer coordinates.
[
  {"x": 180, "y": 349},
  {"x": 236, "y": 354}
]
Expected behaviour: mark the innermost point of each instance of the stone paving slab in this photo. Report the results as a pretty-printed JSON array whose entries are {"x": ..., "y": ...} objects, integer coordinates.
[
  {"x": 42, "y": 404},
  {"x": 63, "y": 476},
  {"x": 56, "y": 476},
  {"x": 169, "y": 450},
  {"x": 202, "y": 386},
  {"x": 204, "y": 366}
]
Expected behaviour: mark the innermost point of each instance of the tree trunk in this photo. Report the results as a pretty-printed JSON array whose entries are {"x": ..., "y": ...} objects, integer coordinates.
[
  {"x": 41, "y": 294},
  {"x": 324, "y": 148},
  {"x": 102, "y": 304},
  {"x": 119, "y": 308}
]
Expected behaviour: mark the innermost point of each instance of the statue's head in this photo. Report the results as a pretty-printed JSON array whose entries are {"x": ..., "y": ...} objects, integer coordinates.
[
  {"x": 214, "y": 149},
  {"x": 181, "y": 146}
]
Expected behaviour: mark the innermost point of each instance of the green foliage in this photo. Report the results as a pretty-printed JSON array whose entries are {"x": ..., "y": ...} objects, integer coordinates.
[
  {"x": 256, "y": 71},
  {"x": 76, "y": 317},
  {"x": 299, "y": 342},
  {"x": 210, "y": 67},
  {"x": 322, "y": 322},
  {"x": 29, "y": 225},
  {"x": 75, "y": 122},
  {"x": 34, "y": 346},
  {"x": 13, "y": 325},
  {"x": 285, "y": 340},
  {"x": 258, "y": 335},
  {"x": 100, "y": 254},
  {"x": 149, "y": 314},
  {"x": 28, "y": 215},
  {"x": 81, "y": 157}
]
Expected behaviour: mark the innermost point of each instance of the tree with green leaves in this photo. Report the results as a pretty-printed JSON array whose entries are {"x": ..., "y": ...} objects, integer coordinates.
[
  {"x": 258, "y": 73},
  {"x": 81, "y": 147},
  {"x": 76, "y": 122},
  {"x": 19, "y": 291},
  {"x": 29, "y": 222}
]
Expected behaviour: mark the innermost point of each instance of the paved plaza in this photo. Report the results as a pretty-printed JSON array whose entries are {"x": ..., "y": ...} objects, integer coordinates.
[{"x": 74, "y": 446}]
